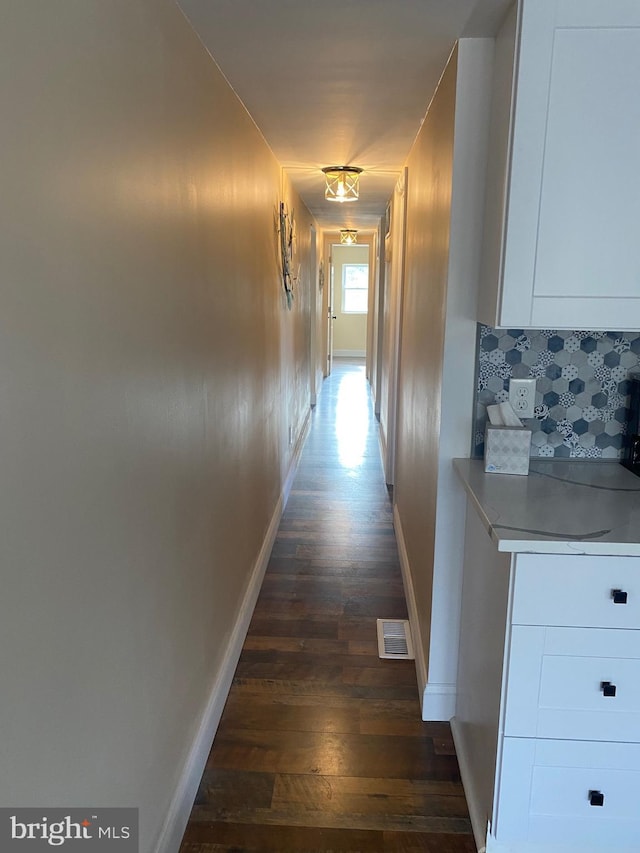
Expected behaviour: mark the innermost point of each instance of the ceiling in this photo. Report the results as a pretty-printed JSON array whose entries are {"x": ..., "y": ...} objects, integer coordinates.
[{"x": 338, "y": 82}]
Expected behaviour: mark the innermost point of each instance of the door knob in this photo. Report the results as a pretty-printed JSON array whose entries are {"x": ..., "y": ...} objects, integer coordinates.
[
  {"x": 608, "y": 689},
  {"x": 596, "y": 798},
  {"x": 619, "y": 596}
]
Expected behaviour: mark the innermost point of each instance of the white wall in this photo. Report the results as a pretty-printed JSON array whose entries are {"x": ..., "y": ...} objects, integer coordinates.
[
  {"x": 149, "y": 374},
  {"x": 429, "y": 169},
  {"x": 458, "y": 366},
  {"x": 444, "y": 228}
]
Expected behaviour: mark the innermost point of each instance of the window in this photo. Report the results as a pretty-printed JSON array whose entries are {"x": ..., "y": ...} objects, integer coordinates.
[{"x": 355, "y": 288}]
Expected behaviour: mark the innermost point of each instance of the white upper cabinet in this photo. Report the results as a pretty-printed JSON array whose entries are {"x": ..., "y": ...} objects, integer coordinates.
[{"x": 562, "y": 219}]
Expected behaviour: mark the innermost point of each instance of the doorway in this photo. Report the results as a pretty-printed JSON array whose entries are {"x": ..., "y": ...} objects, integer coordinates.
[{"x": 349, "y": 300}]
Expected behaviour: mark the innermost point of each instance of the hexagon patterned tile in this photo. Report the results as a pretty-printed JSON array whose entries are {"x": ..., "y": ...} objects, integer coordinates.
[{"x": 582, "y": 387}]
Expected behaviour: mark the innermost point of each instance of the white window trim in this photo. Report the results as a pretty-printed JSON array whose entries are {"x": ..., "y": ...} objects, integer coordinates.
[{"x": 345, "y": 288}]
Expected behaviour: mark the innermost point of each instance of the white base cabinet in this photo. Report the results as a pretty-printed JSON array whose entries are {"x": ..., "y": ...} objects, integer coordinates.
[
  {"x": 547, "y": 788},
  {"x": 563, "y": 182},
  {"x": 547, "y": 726}
]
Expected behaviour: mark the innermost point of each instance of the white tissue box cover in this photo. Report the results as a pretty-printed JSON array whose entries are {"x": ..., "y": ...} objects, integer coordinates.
[{"x": 506, "y": 450}]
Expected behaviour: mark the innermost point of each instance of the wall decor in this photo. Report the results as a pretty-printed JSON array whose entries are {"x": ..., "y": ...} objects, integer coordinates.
[
  {"x": 582, "y": 387},
  {"x": 286, "y": 231},
  {"x": 321, "y": 275}
]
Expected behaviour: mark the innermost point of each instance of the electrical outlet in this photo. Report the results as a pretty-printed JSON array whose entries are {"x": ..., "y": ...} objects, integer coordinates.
[{"x": 522, "y": 396}]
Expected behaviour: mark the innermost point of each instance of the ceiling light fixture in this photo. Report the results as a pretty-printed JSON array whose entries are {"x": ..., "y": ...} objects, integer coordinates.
[
  {"x": 349, "y": 236},
  {"x": 342, "y": 183}
]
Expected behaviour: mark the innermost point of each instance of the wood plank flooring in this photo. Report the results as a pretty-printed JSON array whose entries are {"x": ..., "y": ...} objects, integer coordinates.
[{"x": 321, "y": 747}]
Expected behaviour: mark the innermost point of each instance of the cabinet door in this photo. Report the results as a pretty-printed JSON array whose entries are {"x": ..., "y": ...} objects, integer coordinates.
[
  {"x": 545, "y": 795},
  {"x": 556, "y": 684},
  {"x": 572, "y": 239}
]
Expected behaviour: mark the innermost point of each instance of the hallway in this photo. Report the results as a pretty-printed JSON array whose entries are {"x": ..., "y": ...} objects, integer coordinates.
[{"x": 321, "y": 746}]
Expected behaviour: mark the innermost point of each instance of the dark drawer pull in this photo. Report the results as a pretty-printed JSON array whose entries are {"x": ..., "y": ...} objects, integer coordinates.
[
  {"x": 596, "y": 798},
  {"x": 619, "y": 596},
  {"x": 608, "y": 688}
]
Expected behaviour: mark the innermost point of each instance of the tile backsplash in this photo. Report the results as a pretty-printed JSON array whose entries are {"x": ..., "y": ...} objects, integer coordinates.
[{"x": 582, "y": 387}]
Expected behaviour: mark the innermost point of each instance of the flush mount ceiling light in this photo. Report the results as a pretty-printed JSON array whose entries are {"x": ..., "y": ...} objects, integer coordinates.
[
  {"x": 348, "y": 236},
  {"x": 342, "y": 183}
]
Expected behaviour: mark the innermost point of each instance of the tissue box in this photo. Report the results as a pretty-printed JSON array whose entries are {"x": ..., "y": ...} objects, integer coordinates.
[{"x": 506, "y": 449}]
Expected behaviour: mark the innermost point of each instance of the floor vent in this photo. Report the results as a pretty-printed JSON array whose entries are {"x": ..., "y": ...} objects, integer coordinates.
[{"x": 394, "y": 639}]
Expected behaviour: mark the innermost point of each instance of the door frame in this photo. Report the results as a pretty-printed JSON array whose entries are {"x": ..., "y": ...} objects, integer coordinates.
[
  {"x": 332, "y": 238},
  {"x": 315, "y": 315},
  {"x": 395, "y": 258}
]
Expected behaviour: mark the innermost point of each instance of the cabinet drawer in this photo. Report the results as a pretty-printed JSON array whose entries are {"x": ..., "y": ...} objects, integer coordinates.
[
  {"x": 577, "y": 591},
  {"x": 545, "y": 787},
  {"x": 573, "y": 683}
]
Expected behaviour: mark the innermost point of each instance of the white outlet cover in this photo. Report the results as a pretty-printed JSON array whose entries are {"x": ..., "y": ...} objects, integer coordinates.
[{"x": 522, "y": 396}]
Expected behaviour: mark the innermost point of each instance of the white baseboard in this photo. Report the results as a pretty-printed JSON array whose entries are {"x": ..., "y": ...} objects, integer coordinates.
[
  {"x": 418, "y": 646},
  {"x": 182, "y": 802},
  {"x": 479, "y": 823},
  {"x": 439, "y": 701},
  {"x": 295, "y": 459},
  {"x": 382, "y": 441}
]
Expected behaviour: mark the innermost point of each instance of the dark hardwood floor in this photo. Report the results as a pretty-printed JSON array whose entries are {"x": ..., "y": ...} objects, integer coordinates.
[{"x": 321, "y": 747}]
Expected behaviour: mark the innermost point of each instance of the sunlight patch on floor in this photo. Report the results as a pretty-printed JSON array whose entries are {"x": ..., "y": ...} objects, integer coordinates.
[{"x": 352, "y": 421}]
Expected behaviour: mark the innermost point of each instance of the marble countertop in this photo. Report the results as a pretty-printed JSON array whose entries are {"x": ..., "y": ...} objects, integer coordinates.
[{"x": 561, "y": 507}]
